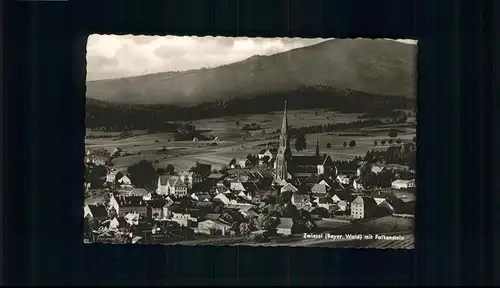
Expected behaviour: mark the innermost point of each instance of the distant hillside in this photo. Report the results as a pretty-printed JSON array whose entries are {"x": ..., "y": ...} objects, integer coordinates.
[
  {"x": 117, "y": 116},
  {"x": 373, "y": 67}
]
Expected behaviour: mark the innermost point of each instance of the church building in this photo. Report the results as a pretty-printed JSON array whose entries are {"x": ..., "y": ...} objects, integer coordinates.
[{"x": 287, "y": 166}]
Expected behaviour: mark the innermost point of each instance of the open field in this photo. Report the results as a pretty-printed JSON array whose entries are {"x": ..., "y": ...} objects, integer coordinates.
[{"x": 235, "y": 143}]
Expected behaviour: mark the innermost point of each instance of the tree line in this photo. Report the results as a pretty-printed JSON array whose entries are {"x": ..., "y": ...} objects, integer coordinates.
[{"x": 117, "y": 117}]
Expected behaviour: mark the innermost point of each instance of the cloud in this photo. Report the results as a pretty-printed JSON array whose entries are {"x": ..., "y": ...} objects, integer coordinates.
[{"x": 115, "y": 56}]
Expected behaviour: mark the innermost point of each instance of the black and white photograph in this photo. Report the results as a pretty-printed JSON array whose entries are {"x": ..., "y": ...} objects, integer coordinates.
[{"x": 296, "y": 142}]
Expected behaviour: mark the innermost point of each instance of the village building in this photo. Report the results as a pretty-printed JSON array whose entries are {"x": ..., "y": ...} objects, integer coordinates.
[
  {"x": 357, "y": 185},
  {"x": 265, "y": 153},
  {"x": 324, "y": 202},
  {"x": 155, "y": 208},
  {"x": 342, "y": 195},
  {"x": 132, "y": 218},
  {"x": 190, "y": 178},
  {"x": 124, "y": 205},
  {"x": 111, "y": 176},
  {"x": 319, "y": 189},
  {"x": 237, "y": 187},
  {"x": 98, "y": 212},
  {"x": 289, "y": 187},
  {"x": 343, "y": 179},
  {"x": 364, "y": 207},
  {"x": 287, "y": 165},
  {"x": 125, "y": 182},
  {"x": 203, "y": 197},
  {"x": 285, "y": 226},
  {"x": 403, "y": 184},
  {"x": 171, "y": 185},
  {"x": 300, "y": 199},
  {"x": 396, "y": 206},
  {"x": 184, "y": 219},
  {"x": 210, "y": 227}
]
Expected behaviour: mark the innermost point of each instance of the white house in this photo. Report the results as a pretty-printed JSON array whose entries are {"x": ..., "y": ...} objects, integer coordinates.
[
  {"x": 183, "y": 219},
  {"x": 285, "y": 226},
  {"x": 125, "y": 182},
  {"x": 223, "y": 198},
  {"x": 363, "y": 207},
  {"x": 111, "y": 176},
  {"x": 132, "y": 218},
  {"x": 114, "y": 224},
  {"x": 357, "y": 185},
  {"x": 245, "y": 196},
  {"x": 324, "y": 202},
  {"x": 171, "y": 185},
  {"x": 343, "y": 179},
  {"x": 209, "y": 226},
  {"x": 237, "y": 186},
  {"x": 403, "y": 184},
  {"x": 319, "y": 189}
]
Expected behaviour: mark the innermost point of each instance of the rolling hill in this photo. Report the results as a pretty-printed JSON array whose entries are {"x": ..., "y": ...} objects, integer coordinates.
[{"x": 372, "y": 67}]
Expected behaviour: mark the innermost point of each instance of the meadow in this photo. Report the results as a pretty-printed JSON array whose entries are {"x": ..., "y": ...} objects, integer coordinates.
[{"x": 233, "y": 142}]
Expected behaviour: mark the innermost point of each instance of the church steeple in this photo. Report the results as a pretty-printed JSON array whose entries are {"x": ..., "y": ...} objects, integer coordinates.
[
  {"x": 284, "y": 152},
  {"x": 284, "y": 125},
  {"x": 317, "y": 147}
]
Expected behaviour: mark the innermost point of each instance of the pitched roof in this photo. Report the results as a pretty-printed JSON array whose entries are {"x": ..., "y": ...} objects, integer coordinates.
[
  {"x": 212, "y": 216},
  {"x": 289, "y": 187},
  {"x": 157, "y": 203},
  {"x": 130, "y": 201},
  {"x": 285, "y": 223},
  {"x": 344, "y": 195},
  {"x": 237, "y": 186},
  {"x": 299, "y": 198},
  {"x": 306, "y": 160},
  {"x": 319, "y": 188},
  {"x": 175, "y": 181},
  {"x": 365, "y": 200},
  {"x": 137, "y": 192},
  {"x": 215, "y": 176},
  {"x": 98, "y": 211},
  {"x": 164, "y": 180}
]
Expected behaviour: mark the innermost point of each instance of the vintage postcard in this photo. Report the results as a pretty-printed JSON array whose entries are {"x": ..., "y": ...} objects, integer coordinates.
[{"x": 250, "y": 141}]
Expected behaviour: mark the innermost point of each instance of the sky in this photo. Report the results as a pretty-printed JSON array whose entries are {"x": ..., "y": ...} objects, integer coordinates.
[{"x": 117, "y": 56}]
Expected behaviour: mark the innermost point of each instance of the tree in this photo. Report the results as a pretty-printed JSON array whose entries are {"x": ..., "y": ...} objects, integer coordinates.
[
  {"x": 96, "y": 176},
  {"x": 383, "y": 142},
  {"x": 101, "y": 152},
  {"x": 300, "y": 141},
  {"x": 345, "y": 144},
  {"x": 244, "y": 229},
  {"x": 329, "y": 145},
  {"x": 170, "y": 169},
  {"x": 201, "y": 169},
  {"x": 393, "y": 134},
  {"x": 375, "y": 143},
  {"x": 232, "y": 162},
  {"x": 391, "y": 141},
  {"x": 142, "y": 174},
  {"x": 266, "y": 159},
  {"x": 398, "y": 141},
  {"x": 352, "y": 143}
]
